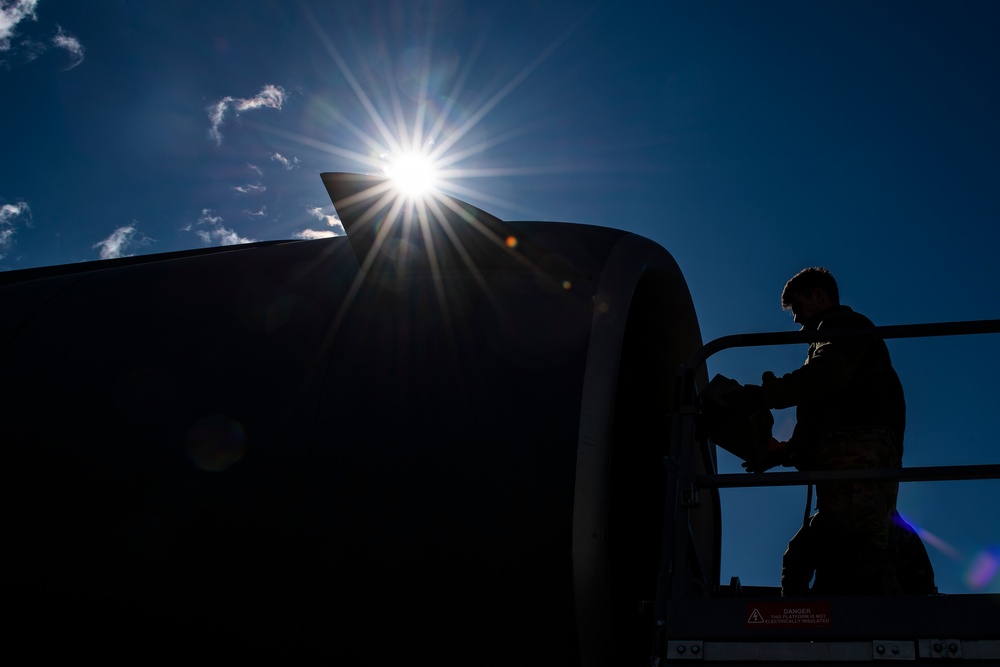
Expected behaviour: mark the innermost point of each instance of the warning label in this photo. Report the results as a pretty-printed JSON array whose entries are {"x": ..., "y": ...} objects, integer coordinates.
[{"x": 788, "y": 614}]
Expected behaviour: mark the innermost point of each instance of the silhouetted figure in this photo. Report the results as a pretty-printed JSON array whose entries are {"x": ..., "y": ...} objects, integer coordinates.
[
  {"x": 850, "y": 415},
  {"x": 819, "y": 552}
]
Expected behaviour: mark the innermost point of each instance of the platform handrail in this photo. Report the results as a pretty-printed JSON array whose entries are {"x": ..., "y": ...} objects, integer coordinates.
[
  {"x": 915, "y": 474},
  {"x": 930, "y": 329},
  {"x": 678, "y": 580},
  {"x": 683, "y": 483},
  {"x": 927, "y": 330}
]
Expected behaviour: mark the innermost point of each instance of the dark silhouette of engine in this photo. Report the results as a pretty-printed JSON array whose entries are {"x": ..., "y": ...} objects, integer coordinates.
[{"x": 438, "y": 437}]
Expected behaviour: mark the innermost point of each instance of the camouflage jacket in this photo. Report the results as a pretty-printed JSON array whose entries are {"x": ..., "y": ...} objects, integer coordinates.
[{"x": 845, "y": 384}]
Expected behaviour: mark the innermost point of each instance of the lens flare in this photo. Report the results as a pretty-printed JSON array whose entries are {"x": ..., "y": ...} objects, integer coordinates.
[
  {"x": 983, "y": 569},
  {"x": 933, "y": 540},
  {"x": 215, "y": 443}
]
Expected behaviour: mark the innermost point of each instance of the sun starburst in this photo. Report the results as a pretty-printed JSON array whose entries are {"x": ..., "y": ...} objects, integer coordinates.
[{"x": 413, "y": 173}]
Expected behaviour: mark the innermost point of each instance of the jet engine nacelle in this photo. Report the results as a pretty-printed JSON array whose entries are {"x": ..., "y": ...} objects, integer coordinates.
[{"x": 440, "y": 436}]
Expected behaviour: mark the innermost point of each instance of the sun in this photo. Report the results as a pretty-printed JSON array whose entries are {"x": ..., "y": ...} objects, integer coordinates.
[{"x": 413, "y": 174}]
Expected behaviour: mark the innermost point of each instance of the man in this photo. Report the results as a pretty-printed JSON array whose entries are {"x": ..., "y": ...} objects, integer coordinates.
[{"x": 850, "y": 415}]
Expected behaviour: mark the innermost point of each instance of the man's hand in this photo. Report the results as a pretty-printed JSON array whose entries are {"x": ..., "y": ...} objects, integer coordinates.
[
  {"x": 776, "y": 454},
  {"x": 781, "y": 392}
]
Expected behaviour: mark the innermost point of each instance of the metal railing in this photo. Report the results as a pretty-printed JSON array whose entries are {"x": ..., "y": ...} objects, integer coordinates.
[
  {"x": 788, "y": 337},
  {"x": 683, "y": 573},
  {"x": 684, "y": 485},
  {"x": 915, "y": 474},
  {"x": 930, "y": 473}
]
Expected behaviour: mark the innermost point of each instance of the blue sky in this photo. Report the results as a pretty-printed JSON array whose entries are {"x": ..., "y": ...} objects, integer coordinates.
[{"x": 750, "y": 139}]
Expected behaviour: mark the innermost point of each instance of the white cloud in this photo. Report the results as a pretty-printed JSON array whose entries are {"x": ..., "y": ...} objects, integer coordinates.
[
  {"x": 285, "y": 162},
  {"x": 64, "y": 40},
  {"x": 216, "y": 232},
  {"x": 330, "y": 219},
  {"x": 208, "y": 218},
  {"x": 222, "y": 236},
  {"x": 257, "y": 214},
  {"x": 250, "y": 188},
  {"x": 13, "y": 12},
  {"x": 312, "y": 234},
  {"x": 270, "y": 96},
  {"x": 10, "y": 211},
  {"x": 121, "y": 241},
  {"x": 255, "y": 169},
  {"x": 9, "y": 214}
]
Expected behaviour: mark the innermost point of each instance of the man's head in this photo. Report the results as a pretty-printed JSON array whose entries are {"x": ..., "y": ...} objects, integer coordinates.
[{"x": 809, "y": 293}]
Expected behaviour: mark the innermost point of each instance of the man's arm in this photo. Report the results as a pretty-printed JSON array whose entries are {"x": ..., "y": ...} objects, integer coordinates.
[{"x": 829, "y": 368}]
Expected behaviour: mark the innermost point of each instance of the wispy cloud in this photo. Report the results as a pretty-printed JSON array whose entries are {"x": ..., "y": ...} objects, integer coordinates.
[
  {"x": 64, "y": 40},
  {"x": 29, "y": 49},
  {"x": 329, "y": 218},
  {"x": 122, "y": 241},
  {"x": 337, "y": 228},
  {"x": 222, "y": 236},
  {"x": 215, "y": 232},
  {"x": 13, "y": 12},
  {"x": 9, "y": 214},
  {"x": 313, "y": 234},
  {"x": 10, "y": 211},
  {"x": 258, "y": 213},
  {"x": 208, "y": 217},
  {"x": 250, "y": 188},
  {"x": 255, "y": 169},
  {"x": 270, "y": 96},
  {"x": 288, "y": 164}
]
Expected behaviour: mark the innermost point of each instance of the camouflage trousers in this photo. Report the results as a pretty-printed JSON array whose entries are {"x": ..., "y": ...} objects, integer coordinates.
[
  {"x": 860, "y": 508},
  {"x": 847, "y": 542}
]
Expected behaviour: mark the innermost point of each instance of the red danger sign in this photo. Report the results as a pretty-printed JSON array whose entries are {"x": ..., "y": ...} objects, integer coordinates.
[{"x": 788, "y": 614}]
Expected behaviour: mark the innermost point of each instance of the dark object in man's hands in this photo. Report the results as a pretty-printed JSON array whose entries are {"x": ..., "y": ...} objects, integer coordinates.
[
  {"x": 734, "y": 418},
  {"x": 750, "y": 397}
]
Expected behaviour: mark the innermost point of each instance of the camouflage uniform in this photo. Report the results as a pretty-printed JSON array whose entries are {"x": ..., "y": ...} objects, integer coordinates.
[
  {"x": 846, "y": 543},
  {"x": 861, "y": 507},
  {"x": 850, "y": 416}
]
